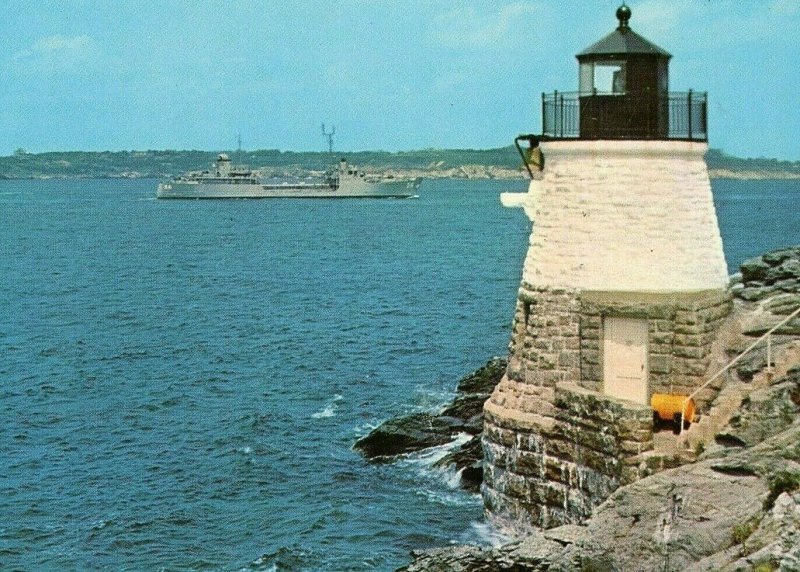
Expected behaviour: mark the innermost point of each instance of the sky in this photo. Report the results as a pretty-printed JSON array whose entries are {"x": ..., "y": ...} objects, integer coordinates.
[{"x": 97, "y": 75}]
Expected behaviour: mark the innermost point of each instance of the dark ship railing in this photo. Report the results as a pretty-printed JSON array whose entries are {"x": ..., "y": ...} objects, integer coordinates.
[{"x": 681, "y": 116}]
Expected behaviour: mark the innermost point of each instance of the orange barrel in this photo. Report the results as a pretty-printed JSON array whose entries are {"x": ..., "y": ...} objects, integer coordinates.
[{"x": 667, "y": 406}]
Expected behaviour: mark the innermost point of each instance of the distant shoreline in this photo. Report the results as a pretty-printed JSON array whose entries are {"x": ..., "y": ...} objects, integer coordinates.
[
  {"x": 752, "y": 175},
  {"x": 469, "y": 172},
  {"x": 500, "y": 163}
]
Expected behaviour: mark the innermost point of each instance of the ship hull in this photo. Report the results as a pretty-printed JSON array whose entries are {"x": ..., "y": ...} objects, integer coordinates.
[{"x": 347, "y": 190}]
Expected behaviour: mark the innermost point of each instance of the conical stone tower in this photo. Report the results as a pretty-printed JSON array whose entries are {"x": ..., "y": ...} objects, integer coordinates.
[{"x": 622, "y": 291}]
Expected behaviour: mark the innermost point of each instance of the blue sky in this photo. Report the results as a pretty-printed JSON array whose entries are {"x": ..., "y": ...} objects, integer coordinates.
[{"x": 392, "y": 75}]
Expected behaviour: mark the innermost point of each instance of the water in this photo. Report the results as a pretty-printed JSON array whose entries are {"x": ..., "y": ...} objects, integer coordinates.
[{"x": 181, "y": 382}]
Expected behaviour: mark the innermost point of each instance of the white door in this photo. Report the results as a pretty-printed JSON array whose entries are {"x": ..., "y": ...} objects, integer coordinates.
[{"x": 625, "y": 359}]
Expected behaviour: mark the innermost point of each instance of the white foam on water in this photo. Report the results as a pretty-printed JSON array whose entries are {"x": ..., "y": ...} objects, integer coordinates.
[
  {"x": 328, "y": 411},
  {"x": 366, "y": 428},
  {"x": 484, "y": 534},
  {"x": 330, "y": 408},
  {"x": 450, "y": 498},
  {"x": 429, "y": 457}
]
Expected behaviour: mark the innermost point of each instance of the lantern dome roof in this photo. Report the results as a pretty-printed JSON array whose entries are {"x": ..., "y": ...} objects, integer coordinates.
[{"x": 622, "y": 42}]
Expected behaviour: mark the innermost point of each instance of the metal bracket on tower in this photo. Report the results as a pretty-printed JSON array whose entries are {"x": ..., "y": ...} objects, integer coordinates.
[{"x": 532, "y": 156}]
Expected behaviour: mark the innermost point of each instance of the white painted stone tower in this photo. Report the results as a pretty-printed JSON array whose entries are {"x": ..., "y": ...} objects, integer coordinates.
[{"x": 623, "y": 287}]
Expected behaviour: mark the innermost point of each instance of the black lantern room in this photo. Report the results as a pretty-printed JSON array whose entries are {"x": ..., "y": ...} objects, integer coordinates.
[
  {"x": 624, "y": 93},
  {"x": 623, "y": 80}
]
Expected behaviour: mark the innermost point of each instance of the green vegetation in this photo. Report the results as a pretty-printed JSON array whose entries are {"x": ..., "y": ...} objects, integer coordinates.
[
  {"x": 163, "y": 164},
  {"x": 741, "y": 532},
  {"x": 717, "y": 159},
  {"x": 781, "y": 482}
]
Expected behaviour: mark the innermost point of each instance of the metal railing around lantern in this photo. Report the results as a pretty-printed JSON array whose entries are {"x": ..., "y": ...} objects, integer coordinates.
[{"x": 681, "y": 116}]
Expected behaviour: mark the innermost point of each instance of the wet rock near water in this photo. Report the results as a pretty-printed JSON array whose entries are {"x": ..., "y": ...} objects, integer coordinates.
[
  {"x": 468, "y": 459},
  {"x": 410, "y": 433},
  {"x": 420, "y": 431}
]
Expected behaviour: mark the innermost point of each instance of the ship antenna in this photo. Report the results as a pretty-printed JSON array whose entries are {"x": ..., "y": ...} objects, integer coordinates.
[
  {"x": 239, "y": 150},
  {"x": 329, "y": 136}
]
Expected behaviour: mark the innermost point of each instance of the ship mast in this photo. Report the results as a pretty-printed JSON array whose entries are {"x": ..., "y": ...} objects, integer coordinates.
[{"x": 329, "y": 135}]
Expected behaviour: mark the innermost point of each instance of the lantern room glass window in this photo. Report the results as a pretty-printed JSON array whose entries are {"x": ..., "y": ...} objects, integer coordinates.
[{"x": 602, "y": 77}]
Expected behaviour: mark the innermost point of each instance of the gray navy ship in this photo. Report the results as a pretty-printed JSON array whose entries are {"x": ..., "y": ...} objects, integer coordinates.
[{"x": 228, "y": 181}]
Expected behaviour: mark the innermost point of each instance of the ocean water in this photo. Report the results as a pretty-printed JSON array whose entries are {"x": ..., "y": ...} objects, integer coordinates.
[{"x": 181, "y": 382}]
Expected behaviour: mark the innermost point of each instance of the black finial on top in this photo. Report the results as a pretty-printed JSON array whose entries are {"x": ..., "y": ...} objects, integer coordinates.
[{"x": 623, "y": 15}]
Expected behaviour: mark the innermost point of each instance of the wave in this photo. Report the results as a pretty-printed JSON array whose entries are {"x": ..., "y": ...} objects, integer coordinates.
[
  {"x": 484, "y": 534},
  {"x": 330, "y": 408},
  {"x": 429, "y": 457}
]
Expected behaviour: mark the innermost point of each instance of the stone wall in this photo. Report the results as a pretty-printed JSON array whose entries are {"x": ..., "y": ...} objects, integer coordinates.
[
  {"x": 682, "y": 328},
  {"x": 553, "y": 466},
  {"x": 554, "y": 445},
  {"x": 545, "y": 344}
]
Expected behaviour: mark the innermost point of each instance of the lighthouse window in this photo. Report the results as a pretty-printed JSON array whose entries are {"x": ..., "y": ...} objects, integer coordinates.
[{"x": 609, "y": 78}]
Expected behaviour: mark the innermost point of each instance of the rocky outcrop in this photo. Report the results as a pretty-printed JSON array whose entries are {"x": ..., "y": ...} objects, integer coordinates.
[
  {"x": 772, "y": 273},
  {"x": 736, "y": 509},
  {"x": 420, "y": 431},
  {"x": 410, "y": 433}
]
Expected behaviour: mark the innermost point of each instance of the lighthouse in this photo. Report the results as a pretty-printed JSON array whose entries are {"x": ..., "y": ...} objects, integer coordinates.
[{"x": 623, "y": 288}]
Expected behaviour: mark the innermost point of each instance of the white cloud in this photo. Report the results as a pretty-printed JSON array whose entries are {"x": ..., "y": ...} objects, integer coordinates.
[
  {"x": 60, "y": 54},
  {"x": 467, "y": 28}
]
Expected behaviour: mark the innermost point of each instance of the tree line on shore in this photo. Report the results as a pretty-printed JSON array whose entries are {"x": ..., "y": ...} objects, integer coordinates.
[{"x": 169, "y": 163}]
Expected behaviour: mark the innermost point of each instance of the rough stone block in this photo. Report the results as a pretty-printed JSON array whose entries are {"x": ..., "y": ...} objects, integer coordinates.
[
  {"x": 663, "y": 349},
  {"x": 633, "y": 425},
  {"x": 554, "y": 469},
  {"x": 498, "y": 435},
  {"x": 529, "y": 464},
  {"x": 632, "y": 447},
  {"x": 556, "y": 495},
  {"x": 660, "y": 364},
  {"x": 514, "y": 485},
  {"x": 657, "y": 337},
  {"x": 689, "y": 352},
  {"x": 568, "y": 359},
  {"x": 602, "y": 463},
  {"x": 589, "y": 323},
  {"x": 561, "y": 449}
]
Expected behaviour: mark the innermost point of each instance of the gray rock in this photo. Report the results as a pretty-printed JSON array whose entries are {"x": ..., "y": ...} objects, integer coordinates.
[
  {"x": 788, "y": 269},
  {"x": 783, "y": 304},
  {"x": 468, "y": 459},
  {"x": 776, "y": 271},
  {"x": 754, "y": 269},
  {"x": 484, "y": 379},
  {"x": 753, "y": 294},
  {"x": 777, "y": 256},
  {"x": 406, "y": 434},
  {"x": 766, "y": 411}
]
